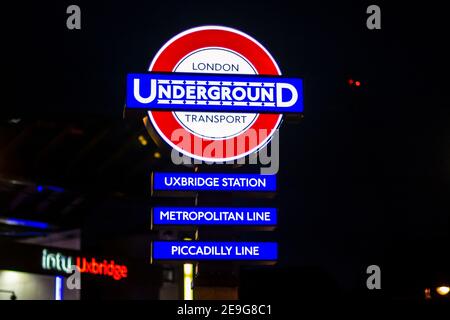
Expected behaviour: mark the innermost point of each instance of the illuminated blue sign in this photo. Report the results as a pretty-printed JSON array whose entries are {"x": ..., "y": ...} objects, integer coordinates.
[
  {"x": 176, "y": 181},
  {"x": 196, "y": 250},
  {"x": 228, "y": 93},
  {"x": 214, "y": 216}
]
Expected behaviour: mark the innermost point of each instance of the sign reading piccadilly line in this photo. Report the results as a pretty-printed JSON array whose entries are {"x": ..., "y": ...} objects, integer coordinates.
[
  {"x": 176, "y": 181},
  {"x": 204, "y": 91},
  {"x": 214, "y": 216},
  {"x": 197, "y": 250},
  {"x": 214, "y": 93}
]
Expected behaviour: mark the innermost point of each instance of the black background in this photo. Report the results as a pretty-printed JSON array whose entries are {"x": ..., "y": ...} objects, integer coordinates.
[{"x": 364, "y": 178}]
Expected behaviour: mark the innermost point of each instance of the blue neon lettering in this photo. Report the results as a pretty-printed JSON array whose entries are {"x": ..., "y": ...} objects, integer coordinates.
[
  {"x": 214, "y": 216},
  {"x": 209, "y": 92},
  {"x": 213, "y": 181},
  {"x": 196, "y": 250}
]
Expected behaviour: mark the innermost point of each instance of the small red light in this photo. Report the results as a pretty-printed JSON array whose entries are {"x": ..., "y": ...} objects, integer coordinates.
[
  {"x": 350, "y": 82},
  {"x": 357, "y": 83}
]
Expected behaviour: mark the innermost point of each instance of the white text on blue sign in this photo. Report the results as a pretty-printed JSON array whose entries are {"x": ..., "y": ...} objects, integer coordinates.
[
  {"x": 176, "y": 181},
  {"x": 197, "y": 250},
  {"x": 227, "y": 93},
  {"x": 214, "y": 216}
]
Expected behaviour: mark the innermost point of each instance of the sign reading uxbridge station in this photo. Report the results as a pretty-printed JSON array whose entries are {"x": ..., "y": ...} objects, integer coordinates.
[{"x": 214, "y": 94}]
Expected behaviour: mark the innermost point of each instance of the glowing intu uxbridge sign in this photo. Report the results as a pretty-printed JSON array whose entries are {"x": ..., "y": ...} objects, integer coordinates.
[
  {"x": 59, "y": 262},
  {"x": 214, "y": 216},
  {"x": 177, "y": 181},
  {"x": 197, "y": 250},
  {"x": 224, "y": 93}
]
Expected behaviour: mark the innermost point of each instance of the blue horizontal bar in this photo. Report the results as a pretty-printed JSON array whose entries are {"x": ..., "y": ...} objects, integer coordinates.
[
  {"x": 175, "y": 181},
  {"x": 196, "y": 250},
  {"x": 217, "y": 93},
  {"x": 214, "y": 216},
  {"x": 25, "y": 223}
]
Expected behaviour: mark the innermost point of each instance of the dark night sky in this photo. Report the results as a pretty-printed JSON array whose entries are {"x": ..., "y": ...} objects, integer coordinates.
[{"x": 364, "y": 179}]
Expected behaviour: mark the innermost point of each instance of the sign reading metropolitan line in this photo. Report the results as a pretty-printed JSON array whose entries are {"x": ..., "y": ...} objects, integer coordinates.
[
  {"x": 214, "y": 216},
  {"x": 176, "y": 181},
  {"x": 224, "y": 93},
  {"x": 196, "y": 250}
]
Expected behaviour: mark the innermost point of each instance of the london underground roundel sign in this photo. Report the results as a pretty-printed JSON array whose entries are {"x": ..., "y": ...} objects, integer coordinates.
[{"x": 204, "y": 76}]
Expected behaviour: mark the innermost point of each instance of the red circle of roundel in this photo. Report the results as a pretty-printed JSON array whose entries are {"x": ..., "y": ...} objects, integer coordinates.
[{"x": 213, "y": 36}]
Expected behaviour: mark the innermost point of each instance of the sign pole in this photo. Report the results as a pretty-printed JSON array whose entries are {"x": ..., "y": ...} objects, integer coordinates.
[{"x": 214, "y": 280}]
